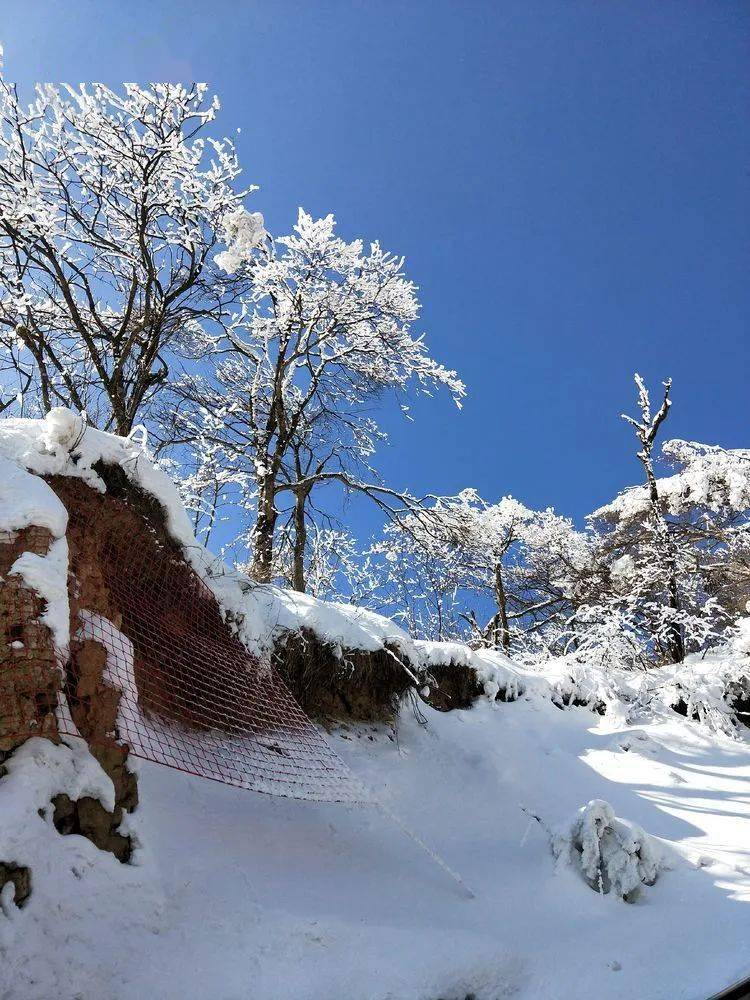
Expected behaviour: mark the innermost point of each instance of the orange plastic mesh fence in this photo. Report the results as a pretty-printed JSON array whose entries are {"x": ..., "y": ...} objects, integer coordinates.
[{"x": 191, "y": 696}]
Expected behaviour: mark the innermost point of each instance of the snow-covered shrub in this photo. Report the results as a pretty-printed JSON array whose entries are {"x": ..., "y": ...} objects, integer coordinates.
[
  {"x": 612, "y": 854},
  {"x": 608, "y": 635},
  {"x": 713, "y": 690},
  {"x": 583, "y": 685},
  {"x": 704, "y": 699}
]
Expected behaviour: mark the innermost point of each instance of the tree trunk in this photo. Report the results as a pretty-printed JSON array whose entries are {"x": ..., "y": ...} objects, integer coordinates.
[
  {"x": 265, "y": 526},
  {"x": 501, "y": 618},
  {"x": 676, "y": 640},
  {"x": 123, "y": 425},
  {"x": 300, "y": 541}
]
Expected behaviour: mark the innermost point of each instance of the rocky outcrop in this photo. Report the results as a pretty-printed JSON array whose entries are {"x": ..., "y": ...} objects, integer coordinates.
[{"x": 29, "y": 673}]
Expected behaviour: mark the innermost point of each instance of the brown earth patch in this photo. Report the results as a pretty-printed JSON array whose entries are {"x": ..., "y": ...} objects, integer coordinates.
[
  {"x": 353, "y": 685},
  {"x": 452, "y": 685},
  {"x": 29, "y": 673},
  {"x": 456, "y": 685},
  {"x": 20, "y": 876},
  {"x": 88, "y": 817}
]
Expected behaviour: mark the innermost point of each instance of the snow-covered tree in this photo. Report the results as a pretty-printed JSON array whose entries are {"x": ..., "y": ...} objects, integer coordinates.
[
  {"x": 658, "y": 557},
  {"x": 460, "y": 552},
  {"x": 324, "y": 331},
  {"x": 335, "y": 568},
  {"x": 551, "y": 577},
  {"x": 671, "y": 549},
  {"x": 707, "y": 502},
  {"x": 420, "y": 577},
  {"x": 112, "y": 204}
]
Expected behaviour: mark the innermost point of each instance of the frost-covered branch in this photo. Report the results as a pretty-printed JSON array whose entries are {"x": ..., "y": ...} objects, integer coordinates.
[
  {"x": 324, "y": 330},
  {"x": 111, "y": 206}
]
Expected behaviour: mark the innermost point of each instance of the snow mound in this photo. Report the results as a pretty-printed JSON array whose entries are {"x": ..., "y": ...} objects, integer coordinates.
[
  {"x": 612, "y": 854},
  {"x": 26, "y": 500},
  {"x": 584, "y": 685},
  {"x": 269, "y": 612},
  {"x": 496, "y": 674}
]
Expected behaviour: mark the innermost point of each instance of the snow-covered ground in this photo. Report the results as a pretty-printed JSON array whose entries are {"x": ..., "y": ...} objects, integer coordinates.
[{"x": 238, "y": 895}]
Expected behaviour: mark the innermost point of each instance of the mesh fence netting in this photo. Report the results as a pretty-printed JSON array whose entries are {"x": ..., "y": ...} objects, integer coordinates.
[{"x": 188, "y": 694}]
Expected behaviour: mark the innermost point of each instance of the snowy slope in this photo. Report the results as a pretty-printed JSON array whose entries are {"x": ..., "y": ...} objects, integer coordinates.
[{"x": 238, "y": 895}]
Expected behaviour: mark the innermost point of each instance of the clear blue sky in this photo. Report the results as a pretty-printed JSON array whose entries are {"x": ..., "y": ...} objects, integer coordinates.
[{"x": 569, "y": 181}]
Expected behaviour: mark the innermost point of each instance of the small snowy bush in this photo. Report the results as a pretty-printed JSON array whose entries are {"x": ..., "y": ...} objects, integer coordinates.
[
  {"x": 585, "y": 685},
  {"x": 612, "y": 854},
  {"x": 713, "y": 690}
]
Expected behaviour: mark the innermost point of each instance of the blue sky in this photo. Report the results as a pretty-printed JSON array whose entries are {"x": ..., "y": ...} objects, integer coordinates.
[{"x": 569, "y": 181}]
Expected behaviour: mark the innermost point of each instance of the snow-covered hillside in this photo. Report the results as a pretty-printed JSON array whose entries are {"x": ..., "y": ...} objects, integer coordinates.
[
  {"x": 234, "y": 895},
  {"x": 238, "y": 895}
]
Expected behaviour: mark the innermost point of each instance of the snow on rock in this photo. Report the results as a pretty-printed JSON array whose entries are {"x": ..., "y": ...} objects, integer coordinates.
[
  {"x": 119, "y": 670},
  {"x": 34, "y": 774},
  {"x": 39, "y": 769},
  {"x": 48, "y": 576},
  {"x": 26, "y": 500},
  {"x": 271, "y": 611},
  {"x": 62, "y": 444},
  {"x": 612, "y": 854},
  {"x": 494, "y": 671},
  {"x": 59, "y": 944}
]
